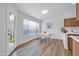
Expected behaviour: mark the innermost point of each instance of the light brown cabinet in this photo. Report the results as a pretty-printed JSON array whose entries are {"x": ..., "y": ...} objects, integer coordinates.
[
  {"x": 71, "y": 22},
  {"x": 77, "y": 10},
  {"x": 70, "y": 44},
  {"x": 77, "y": 13},
  {"x": 77, "y": 23},
  {"x": 67, "y": 23},
  {"x": 73, "y": 47}
]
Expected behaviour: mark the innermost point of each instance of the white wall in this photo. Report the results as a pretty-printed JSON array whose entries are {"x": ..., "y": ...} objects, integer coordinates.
[
  {"x": 24, "y": 37},
  {"x": 5, "y": 9},
  {"x": 58, "y": 22},
  {"x": 3, "y": 40},
  {"x": 20, "y": 37}
]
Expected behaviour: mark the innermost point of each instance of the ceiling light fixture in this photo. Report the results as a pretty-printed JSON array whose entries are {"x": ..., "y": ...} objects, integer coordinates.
[
  {"x": 73, "y": 3},
  {"x": 44, "y": 11}
]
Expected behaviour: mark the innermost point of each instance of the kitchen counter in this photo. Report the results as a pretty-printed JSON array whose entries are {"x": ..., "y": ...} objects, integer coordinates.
[
  {"x": 74, "y": 34},
  {"x": 73, "y": 45},
  {"x": 76, "y": 38}
]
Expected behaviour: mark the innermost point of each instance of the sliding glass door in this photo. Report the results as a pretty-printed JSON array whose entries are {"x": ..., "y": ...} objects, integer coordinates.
[{"x": 11, "y": 30}]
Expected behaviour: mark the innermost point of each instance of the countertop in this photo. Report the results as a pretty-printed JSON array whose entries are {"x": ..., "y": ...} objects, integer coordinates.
[
  {"x": 73, "y": 33},
  {"x": 76, "y": 38}
]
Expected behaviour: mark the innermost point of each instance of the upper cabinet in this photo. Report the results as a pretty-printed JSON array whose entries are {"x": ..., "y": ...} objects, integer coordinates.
[
  {"x": 77, "y": 10},
  {"x": 67, "y": 22},
  {"x": 78, "y": 23},
  {"x": 77, "y": 13},
  {"x": 71, "y": 22}
]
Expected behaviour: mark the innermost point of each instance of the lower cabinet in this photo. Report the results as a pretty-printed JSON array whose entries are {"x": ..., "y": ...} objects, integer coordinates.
[
  {"x": 70, "y": 44},
  {"x": 73, "y": 47}
]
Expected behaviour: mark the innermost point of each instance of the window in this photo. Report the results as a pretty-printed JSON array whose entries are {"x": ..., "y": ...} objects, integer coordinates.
[
  {"x": 30, "y": 27},
  {"x": 26, "y": 26}
]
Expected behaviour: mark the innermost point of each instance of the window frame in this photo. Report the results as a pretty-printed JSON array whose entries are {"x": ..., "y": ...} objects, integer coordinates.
[{"x": 37, "y": 30}]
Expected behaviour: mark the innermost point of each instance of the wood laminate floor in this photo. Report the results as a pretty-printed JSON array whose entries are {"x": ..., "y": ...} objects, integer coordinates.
[{"x": 53, "y": 47}]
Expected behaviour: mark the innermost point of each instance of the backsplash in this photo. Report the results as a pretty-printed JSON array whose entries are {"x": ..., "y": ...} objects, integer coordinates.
[
  {"x": 72, "y": 29},
  {"x": 75, "y": 29}
]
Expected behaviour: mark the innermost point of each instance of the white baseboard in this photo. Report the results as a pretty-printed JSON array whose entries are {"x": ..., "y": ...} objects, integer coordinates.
[
  {"x": 20, "y": 44},
  {"x": 56, "y": 38}
]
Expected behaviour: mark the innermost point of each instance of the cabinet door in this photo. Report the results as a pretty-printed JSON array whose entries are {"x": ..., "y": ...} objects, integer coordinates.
[
  {"x": 78, "y": 23},
  {"x": 73, "y": 23},
  {"x": 70, "y": 44},
  {"x": 67, "y": 23},
  {"x": 77, "y": 10},
  {"x": 75, "y": 48}
]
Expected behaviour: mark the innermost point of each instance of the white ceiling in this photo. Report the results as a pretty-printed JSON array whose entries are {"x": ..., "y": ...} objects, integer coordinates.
[{"x": 34, "y": 9}]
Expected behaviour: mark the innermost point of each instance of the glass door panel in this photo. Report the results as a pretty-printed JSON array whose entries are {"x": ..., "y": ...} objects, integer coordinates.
[{"x": 11, "y": 30}]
